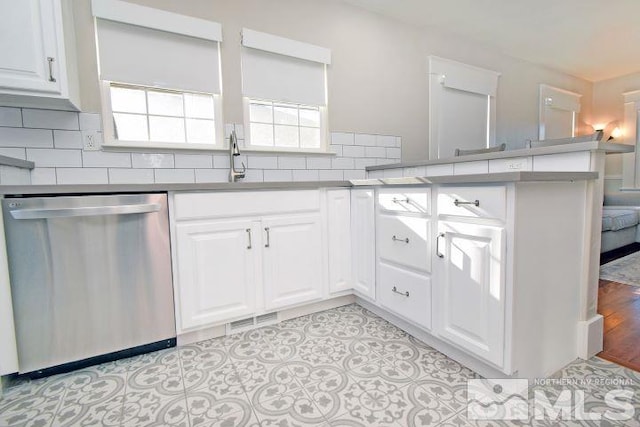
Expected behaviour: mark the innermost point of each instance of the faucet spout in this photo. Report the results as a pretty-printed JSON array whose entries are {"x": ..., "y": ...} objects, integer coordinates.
[{"x": 234, "y": 151}]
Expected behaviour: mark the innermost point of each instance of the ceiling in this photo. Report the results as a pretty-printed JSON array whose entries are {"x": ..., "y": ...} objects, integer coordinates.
[{"x": 592, "y": 39}]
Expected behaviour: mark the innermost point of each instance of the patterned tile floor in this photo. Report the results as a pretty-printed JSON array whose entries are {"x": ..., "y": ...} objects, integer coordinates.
[{"x": 341, "y": 367}]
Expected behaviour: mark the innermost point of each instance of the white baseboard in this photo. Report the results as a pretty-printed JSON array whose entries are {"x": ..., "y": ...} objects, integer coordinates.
[{"x": 590, "y": 333}]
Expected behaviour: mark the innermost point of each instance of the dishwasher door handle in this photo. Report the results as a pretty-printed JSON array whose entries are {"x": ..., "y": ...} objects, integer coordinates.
[{"x": 84, "y": 211}]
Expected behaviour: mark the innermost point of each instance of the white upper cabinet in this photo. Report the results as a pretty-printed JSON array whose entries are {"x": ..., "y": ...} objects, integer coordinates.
[{"x": 34, "y": 54}]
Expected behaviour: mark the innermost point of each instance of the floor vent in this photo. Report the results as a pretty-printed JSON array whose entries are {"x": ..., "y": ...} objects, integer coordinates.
[{"x": 251, "y": 323}]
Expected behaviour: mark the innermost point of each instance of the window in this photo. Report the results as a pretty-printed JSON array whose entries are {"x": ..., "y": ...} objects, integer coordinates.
[
  {"x": 160, "y": 77},
  {"x": 284, "y": 88},
  {"x": 461, "y": 107},
  {"x": 558, "y": 112}
]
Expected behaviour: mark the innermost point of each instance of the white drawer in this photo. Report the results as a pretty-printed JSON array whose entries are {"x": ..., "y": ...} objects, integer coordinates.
[
  {"x": 405, "y": 293},
  {"x": 475, "y": 202},
  {"x": 244, "y": 203},
  {"x": 416, "y": 200},
  {"x": 405, "y": 240}
]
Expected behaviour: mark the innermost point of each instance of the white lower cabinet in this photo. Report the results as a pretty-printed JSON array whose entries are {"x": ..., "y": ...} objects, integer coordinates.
[
  {"x": 470, "y": 294},
  {"x": 338, "y": 227},
  {"x": 292, "y": 260},
  {"x": 216, "y": 268},
  {"x": 406, "y": 293},
  {"x": 363, "y": 243}
]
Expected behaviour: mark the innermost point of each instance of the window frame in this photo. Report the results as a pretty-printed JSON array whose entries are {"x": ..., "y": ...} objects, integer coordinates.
[
  {"x": 324, "y": 145},
  {"x": 108, "y": 123}
]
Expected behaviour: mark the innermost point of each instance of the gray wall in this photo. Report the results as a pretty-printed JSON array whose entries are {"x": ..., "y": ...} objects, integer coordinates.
[{"x": 378, "y": 78}]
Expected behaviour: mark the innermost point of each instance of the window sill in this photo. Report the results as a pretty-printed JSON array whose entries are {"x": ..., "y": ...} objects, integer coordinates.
[{"x": 199, "y": 148}]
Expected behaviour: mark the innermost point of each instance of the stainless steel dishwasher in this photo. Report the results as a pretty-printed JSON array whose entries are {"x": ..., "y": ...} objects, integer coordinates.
[{"x": 90, "y": 278}]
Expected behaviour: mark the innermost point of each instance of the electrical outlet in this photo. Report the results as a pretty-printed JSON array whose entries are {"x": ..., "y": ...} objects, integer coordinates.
[{"x": 91, "y": 141}]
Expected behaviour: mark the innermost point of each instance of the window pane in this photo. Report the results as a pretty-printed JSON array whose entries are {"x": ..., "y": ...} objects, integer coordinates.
[
  {"x": 165, "y": 103},
  {"x": 130, "y": 127},
  {"x": 283, "y": 115},
  {"x": 310, "y": 137},
  {"x": 287, "y": 136},
  {"x": 201, "y": 131},
  {"x": 310, "y": 117},
  {"x": 262, "y": 113},
  {"x": 128, "y": 100},
  {"x": 166, "y": 129},
  {"x": 198, "y": 106},
  {"x": 261, "y": 134}
]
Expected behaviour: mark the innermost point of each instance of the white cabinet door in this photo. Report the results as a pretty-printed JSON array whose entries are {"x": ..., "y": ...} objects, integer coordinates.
[
  {"x": 292, "y": 260},
  {"x": 470, "y": 302},
  {"x": 339, "y": 234},
  {"x": 30, "y": 39},
  {"x": 216, "y": 265},
  {"x": 363, "y": 245}
]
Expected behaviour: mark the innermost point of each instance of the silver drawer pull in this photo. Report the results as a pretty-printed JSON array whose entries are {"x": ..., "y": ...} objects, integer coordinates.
[
  {"x": 50, "y": 61},
  {"x": 438, "y": 253},
  {"x": 394, "y": 200},
  {"x": 249, "y": 235},
  {"x": 268, "y": 244},
  {"x": 394, "y": 289},
  {"x": 395, "y": 239},
  {"x": 458, "y": 203}
]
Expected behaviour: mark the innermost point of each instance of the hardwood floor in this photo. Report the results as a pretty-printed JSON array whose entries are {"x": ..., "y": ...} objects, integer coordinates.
[{"x": 620, "y": 306}]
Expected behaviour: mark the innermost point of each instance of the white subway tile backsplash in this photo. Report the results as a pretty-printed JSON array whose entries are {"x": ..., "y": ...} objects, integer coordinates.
[
  {"x": 379, "y": 152},
  {"x": 305, "y": 175},
  {"x": 336, "y": 149},
  {"x": 363, "y": 163},
  {"x": 261, "y": 162},
  {"x": 202, "y": 161},
  {"x": 49, "y": 157},
  {"x": 101, "y": 159},
  {"x": 43, "y": 176},
  {"x": 10, "y": 175},
  {"x": 394, "y": 153},
  {"x": 376, "y": 174},
  {"x": 130, "y": 176},
  {"x": 355, "y": 174},
  {"x": 342, "y": 163},
  {"x": 154, "y": 161},
  {"x": 19, "y": 137},
  {"x": 398, "y": 141},
  {"x": 342, "y": 138},
  {"x": 330, "y": 175},
  {"x": 365, "y": 140},
  {"x": 90, "y": 121},
  {"x": 50, "y": 119},
  {"x": 353, "y": 151},
  {"x": 11, "y": 117},
  {"x": 18, "y": 153},
  {"x": 253, "y": 175},
  {"x": 221, "y": 162},
  {"x": 292, "y": 162},
  {"x": 212, "y": 175},
  {"x": 319, "y": 162},
  {"x": 67, "y": 139},
  {"x": 393, "y": 173},
  {"x": 380, "y": 162},
  {"x": 82, "y": 176},
  {"x": 186, "y": 176},
  {"x": 277, "y": 175},
  {"x": 385, "y": 141}
]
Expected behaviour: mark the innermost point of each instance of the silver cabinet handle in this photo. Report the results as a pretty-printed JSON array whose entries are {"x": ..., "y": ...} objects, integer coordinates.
[
  {"x": 50, "y": 61},
  {"x": 438, "y": 245},
  {"x": 85, "y": 211},
  {"x": 394, "y": 200},
  {"x": 394, "y": 289},
  {"x": 458, "y": 202},
  {"x": 395, "y": 239},
  {"x": 249, "y": 236},
  {"x": 266, "y": 245}
]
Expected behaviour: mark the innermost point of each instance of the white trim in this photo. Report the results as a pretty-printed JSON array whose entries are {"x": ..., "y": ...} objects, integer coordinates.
[
  {"x": 460, "y": 76},
  {"x": 632, "y": 96},
  {"x": 129, "y": 13},
  {"x": 284, "y": 46}
]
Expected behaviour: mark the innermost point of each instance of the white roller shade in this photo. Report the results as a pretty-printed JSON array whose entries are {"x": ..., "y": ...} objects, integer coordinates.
[
  {"x": 456, "y": 75},
  {"x": 279, "y": 69},
  {"x": 152, "y": 57}
]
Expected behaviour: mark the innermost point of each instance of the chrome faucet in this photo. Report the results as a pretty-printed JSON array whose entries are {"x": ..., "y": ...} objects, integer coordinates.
[{"x": 234, "y": 151}]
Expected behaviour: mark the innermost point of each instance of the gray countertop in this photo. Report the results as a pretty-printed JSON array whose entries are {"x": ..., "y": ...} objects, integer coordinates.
[
  {"x": 17, "y": 163},
  {"x": 245, "y": 186},
  {"x": 539, "y": 151}
]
